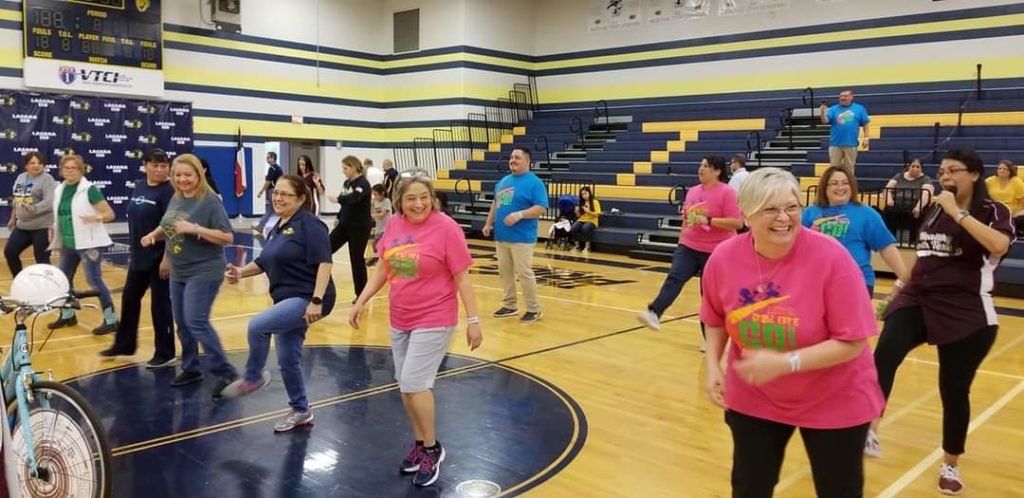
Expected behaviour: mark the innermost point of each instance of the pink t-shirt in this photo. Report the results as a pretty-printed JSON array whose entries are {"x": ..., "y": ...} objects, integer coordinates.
[
  {"x": 717, "y": 202},
  {"x": 814, "y": 294},
  {"x": 421, "y": 261}
]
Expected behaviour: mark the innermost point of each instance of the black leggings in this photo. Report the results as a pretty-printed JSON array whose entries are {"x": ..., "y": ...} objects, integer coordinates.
[
  {"x": 356, "y": 238},
  {"x": 958, "y": 362},
  {"x": 19, "y": 241},
  {"x": 759, "y": 446}
]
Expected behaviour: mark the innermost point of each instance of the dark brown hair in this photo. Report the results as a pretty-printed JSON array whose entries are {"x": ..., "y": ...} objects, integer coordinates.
[
  {"x": 33, "y": 153},
  {"x": 827, "y": 177},
  {"x": 299, "y": 186}
]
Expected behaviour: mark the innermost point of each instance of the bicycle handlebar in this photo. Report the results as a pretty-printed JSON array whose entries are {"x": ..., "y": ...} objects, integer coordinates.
[{"x": 71, "y": 300}]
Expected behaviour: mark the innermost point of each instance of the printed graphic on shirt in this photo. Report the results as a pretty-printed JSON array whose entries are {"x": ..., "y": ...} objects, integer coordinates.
[
  {"x": 846, "y": 116},
  {"x": 936, "y": 244},
  {"x": 763, "y": 322},
  {"x": 505, "y": 196},
  {"x": 699, "y": 208},
  {"x": 143, "y": 200},
  {"x": 23, "y": 194},
  {"x": 403, "y": 258},
  {"x": 171, "y": 234},
  {"x": 834, "y": 226}
]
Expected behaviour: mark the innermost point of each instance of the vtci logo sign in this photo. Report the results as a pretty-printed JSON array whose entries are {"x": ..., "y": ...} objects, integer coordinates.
[{"x": 68, "y": 75}]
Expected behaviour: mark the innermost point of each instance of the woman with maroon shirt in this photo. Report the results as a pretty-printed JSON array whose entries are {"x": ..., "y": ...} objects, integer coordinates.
[{"x": 948, "y": 301}]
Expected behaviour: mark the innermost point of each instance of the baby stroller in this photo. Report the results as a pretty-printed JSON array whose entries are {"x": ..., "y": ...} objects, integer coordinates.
[{"x": 558, "y": 235}]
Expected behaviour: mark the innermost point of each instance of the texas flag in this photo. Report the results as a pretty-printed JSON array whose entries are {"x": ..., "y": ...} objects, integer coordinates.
[{"x": 240, "y": 185}]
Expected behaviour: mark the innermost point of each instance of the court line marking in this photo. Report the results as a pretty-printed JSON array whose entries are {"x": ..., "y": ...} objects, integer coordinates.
[
  {"x": 929, "y": 461},
  {"x": 887, "y": 420},
  {"x": 201, "y": 431}
]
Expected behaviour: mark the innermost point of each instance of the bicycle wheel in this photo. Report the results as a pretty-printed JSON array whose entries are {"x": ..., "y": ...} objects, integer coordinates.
[{"x": 71, "y": 446}]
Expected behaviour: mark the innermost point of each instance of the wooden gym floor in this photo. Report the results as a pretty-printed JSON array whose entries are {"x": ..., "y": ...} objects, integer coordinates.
[{"x": 583, "y": 403}]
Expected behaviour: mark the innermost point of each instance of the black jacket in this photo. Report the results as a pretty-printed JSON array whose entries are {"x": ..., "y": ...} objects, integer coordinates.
[{"x": 355, "y": 204}]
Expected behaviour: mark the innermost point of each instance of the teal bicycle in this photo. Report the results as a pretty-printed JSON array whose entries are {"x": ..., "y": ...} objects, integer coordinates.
[{"x": 60, "y": 449}]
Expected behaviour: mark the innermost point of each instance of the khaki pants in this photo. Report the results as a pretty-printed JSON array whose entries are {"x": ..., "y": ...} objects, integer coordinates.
[
  {"x": 843, "y": 156},
  {"x": 516, "y": 260}
]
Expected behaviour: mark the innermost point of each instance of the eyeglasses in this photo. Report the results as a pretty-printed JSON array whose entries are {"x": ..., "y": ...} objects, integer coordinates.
[
  {"x": 950, "y": 171},
  {"x": 278, "y": 193},
  {"x": 773, "y": 212}
]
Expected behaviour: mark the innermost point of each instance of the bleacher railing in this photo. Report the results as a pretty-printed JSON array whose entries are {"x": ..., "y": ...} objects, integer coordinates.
[
  {"x": 897, "y": 207},
  {"x": 445, "y": 146},
  {"x": 562, "y": 186}
]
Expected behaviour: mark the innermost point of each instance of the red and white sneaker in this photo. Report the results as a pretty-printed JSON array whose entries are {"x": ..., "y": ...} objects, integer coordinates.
[{"x": 949, "y": 480}]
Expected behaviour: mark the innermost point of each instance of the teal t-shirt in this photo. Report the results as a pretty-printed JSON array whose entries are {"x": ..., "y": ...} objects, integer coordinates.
[
  {"x": 516, "y": 193},
  {"x": 64, "y": 217},
  {"x": 858, "y": 227}
]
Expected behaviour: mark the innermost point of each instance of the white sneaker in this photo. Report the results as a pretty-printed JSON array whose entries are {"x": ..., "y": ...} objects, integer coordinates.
[
  {"x": 649, "y": 319},
  {"x": 949, "y": 480},
  {"x": 872, "y": 448}
]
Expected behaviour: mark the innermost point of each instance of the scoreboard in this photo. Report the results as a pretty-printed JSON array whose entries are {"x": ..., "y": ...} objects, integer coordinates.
[
  {"x": 94, "y": 45},
  {"x": 117, "y": 32}
]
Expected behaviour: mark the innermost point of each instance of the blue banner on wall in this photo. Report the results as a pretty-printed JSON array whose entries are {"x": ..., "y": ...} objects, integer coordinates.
[{"x": 110, "y": 134}]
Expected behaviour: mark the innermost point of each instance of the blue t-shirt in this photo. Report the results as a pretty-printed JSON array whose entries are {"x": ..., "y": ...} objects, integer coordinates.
[
  {"x": 292, "y": 255},
  {"x": 145, "y": 210},
  {"x": 516, "y": 193},
  {"x": 845, "y": 124},
  {"x": 858, "y": 227}
]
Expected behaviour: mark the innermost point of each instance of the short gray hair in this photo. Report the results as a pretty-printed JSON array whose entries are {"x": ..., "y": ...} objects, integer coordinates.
[{"x": 763, "y": 185}]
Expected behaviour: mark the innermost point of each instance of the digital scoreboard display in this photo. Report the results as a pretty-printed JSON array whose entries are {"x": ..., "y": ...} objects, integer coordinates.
[{"x": 109, "y": 32}]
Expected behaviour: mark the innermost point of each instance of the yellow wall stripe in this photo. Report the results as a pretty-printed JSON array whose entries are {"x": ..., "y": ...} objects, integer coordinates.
[
  {"x": 923, "y": 72},
  {"x": 794, "y": 41}
]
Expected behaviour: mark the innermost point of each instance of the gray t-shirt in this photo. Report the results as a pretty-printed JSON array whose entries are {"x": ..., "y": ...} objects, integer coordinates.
[
  {"x": 33, "y": 201},
  {"x": 378, "y": 207},
  {"x": 907, "y": 200},
  {"x": 191, "y": 257}
]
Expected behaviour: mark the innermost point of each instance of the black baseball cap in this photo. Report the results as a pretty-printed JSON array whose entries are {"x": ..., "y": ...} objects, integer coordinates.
[{"x": 156, "y": 156}]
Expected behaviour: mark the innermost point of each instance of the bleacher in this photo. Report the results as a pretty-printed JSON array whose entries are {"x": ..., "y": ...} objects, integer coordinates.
[{"x": 640, "y": 158}]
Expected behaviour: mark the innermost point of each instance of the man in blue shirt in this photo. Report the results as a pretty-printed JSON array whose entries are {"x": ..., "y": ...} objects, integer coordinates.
[
  {"x": 845, "y": 121},
  {"x": 520, "y": 199}
]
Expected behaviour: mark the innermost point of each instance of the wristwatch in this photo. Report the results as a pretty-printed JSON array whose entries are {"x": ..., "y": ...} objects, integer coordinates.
[
  {"x": 963, "y": 214},
  {"x": 317, "y": 300}
]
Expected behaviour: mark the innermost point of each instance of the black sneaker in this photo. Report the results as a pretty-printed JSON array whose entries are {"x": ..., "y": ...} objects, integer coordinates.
[
  {"x": 156, "y": 362},
  {"x": 186, "y": 378},
  {"x": 504, "y": 312},
  {"x": 62, "y": 322},
  {"x": 430, "y": 465},
  {"x": 105, "y": 328},
  {"x": 531, "y": 316},
  {"x": 411, "y": 462},
  {"x": 218, "y": 389},
  {"x": 113, "y": 352}
]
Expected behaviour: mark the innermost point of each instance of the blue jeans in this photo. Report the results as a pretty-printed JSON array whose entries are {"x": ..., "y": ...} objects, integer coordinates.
[
  {"x": 191, "y": 301},
  {"x": 582, "y": 231},
  {"x": 686, "y": 264},
  {"x": 285, "y": 322},
  {"x": 69, "y": 260}
]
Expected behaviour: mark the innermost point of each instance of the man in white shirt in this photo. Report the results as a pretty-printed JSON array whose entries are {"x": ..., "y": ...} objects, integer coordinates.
[
  {"x": 374, "y": 174},
  {"x": 738, "y": 165}
]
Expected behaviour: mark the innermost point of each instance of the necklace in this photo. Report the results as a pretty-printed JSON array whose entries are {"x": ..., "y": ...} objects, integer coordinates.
[{"x": 762, "y": 284}]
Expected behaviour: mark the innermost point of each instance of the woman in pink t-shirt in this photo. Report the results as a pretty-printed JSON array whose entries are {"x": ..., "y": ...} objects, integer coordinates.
[
  {"x": 710, "y": 215},
  {"x": 793, "y": 302},
  {"x": 426, "y": 261}
]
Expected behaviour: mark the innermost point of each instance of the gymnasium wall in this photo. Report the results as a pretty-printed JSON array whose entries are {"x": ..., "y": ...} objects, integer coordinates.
[
  {"x": 326, "y": 62},
  {"x": 330, "y": 63},
  {"x": 872, "y": 45}
]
